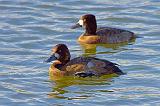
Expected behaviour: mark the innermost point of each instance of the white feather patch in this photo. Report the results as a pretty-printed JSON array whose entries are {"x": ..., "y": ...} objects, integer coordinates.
[
  {"x": 80, "y": 22},
  {"x": 57, "y": 55}
]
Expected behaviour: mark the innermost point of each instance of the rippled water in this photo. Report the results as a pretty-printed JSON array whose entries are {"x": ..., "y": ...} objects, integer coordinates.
[{"x": 29, "y": 28}]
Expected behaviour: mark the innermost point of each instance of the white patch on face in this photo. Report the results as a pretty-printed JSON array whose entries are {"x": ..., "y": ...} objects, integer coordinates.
[
  {"x": 80, "y": 22},
  {"x": 57, "y": 55}
]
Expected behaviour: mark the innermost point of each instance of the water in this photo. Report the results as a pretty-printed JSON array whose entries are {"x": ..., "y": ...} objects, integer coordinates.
[{"x": 29, "y": 28}]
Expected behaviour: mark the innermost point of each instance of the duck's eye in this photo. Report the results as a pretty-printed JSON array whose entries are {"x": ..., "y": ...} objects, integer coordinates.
[{"x": 60, "y": 51}]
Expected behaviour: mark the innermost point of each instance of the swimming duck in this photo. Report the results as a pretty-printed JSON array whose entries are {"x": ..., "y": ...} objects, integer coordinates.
[
  {"x": 94, "y": 35},
  {"x": 79, "y": 66}
]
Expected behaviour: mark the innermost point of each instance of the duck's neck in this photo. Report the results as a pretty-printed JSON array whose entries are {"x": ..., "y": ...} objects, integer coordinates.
[
  {"x": 56, "y": 64},
  {"x": 91, "y": 28},
  {"x": 64, "y": 60},
  {"x": 89, "y": 32},
  {"x": 64, "y": 57}
]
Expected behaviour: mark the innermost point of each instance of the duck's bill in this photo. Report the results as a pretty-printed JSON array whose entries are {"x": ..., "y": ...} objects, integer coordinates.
[
  {"x": 50, "y": 58},
  {"x": 76, "y": 26}
]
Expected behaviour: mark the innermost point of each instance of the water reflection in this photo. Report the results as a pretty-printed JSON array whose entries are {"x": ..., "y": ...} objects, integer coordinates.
[
  {"x": 91, "y": 49},
  {"x": 59, "y": 90}
]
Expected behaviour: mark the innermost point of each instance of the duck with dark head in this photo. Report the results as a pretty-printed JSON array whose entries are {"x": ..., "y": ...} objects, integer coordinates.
[
  {"x": 103, "y": 35},
  {"x": 62, "y": 65}
]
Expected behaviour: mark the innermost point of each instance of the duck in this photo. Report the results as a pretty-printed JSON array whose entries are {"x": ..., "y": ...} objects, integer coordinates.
[
  {"x": 102, "y": 35},
  {"x": 62, "y": 64}
]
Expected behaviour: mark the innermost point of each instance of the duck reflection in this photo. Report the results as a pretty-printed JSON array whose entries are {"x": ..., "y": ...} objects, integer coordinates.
[
  {"x": 91, "y": 49},
  {"x": 60, "y": 84}
]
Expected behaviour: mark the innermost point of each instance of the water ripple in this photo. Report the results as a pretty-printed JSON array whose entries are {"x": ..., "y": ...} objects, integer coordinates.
[{"x": 28, "y": 30}]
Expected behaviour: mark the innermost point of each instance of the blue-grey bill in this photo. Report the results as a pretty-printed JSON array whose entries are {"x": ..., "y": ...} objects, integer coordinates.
[
  {"x": 50, "y": 59},
  {"x": 76, "y": 26}
]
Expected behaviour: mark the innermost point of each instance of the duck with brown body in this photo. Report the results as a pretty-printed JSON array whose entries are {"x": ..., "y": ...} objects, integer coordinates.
[
  {"x": 103, "y": 35},
  {"x": 62, "y": 65}
]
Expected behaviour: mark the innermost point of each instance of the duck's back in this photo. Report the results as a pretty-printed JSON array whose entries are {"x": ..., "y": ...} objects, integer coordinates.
[
  {"x": 114, "y": 35},
  {"x": 89, "y": 66}
]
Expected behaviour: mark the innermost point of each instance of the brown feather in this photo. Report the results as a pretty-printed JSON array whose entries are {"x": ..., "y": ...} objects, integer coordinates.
[
  {"x": 80, "y": 65},
  {"x": 86, "y": 66},
  {"x": 109, "y": 35}
]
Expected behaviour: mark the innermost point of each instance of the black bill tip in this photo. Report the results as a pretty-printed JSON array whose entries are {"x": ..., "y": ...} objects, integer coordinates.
[{"x": 76, "y": 26}]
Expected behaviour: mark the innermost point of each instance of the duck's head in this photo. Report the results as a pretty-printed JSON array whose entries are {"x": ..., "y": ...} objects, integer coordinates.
[
  {"x": 87, "y": 21},
  {"x": 59, "y": 52}
]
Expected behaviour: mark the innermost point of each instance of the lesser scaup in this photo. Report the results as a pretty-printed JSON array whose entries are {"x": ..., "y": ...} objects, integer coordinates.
[
  {"x": 79, "y": 66},
  {"x": 94, "y": 35}
]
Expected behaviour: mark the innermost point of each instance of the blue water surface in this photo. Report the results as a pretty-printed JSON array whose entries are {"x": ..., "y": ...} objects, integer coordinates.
[{"x": 30, "y": 28}]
